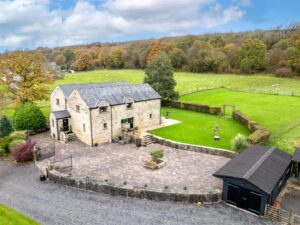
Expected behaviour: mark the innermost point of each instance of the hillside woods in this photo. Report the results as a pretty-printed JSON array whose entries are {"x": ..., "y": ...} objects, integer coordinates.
[{"x": 273, "y": 51}]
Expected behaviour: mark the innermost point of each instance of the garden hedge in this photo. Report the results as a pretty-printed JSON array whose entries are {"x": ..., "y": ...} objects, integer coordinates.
[
  {"x": 193, "y": 107},
  {"x": 259, "y": 134}
]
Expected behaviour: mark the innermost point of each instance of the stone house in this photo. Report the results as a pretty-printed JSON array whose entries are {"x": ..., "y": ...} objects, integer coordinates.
[{"x": 100, "y": 112}]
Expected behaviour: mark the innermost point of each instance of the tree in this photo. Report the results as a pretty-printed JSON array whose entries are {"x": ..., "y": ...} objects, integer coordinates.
[
  {"x": 217, "y": 42},
  {"x": 159, "y": 74},
  {"x": 231, "y": 51},
  {"x": 60, "y": 60},
  {"x": 84, "y": 61},
  {"x": 156, "y": 48},
  {"x": 33, "y": 75},
  {"x": 29, "y": 117},
  {"x": 115, "y": 60},
  {"x": 178, "y": 58},
  {"x": 5, "y": 126},
  {"x": 294, "y": 56},
  {"x": 252, "y": 55},
  {"x": 277, "y": 58}
]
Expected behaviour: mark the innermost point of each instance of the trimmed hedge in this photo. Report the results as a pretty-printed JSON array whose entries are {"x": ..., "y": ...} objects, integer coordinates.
[
  {"x": 5, "y": 126},
  {"x": 193, "y": 107},
  {"x": 259, "y": 134},
  {"x": 29, "y": 117}
]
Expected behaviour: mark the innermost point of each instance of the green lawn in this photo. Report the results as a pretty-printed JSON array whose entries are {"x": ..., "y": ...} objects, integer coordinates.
[
  {"x": 197, "y": 128},
  {"x": 280, "y": 114},
  {"x": 11, "y": 217}
]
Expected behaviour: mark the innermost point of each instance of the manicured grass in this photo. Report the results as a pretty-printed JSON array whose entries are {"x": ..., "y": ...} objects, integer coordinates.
[
  {"x": 11, "y": 217},
  {"x": 190, "y": 81},
  {"x": 197, "y": 128},
  {"x": 280, "y": 114}
]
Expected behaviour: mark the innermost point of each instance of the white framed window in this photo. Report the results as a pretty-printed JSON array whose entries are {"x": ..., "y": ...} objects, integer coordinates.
[
  {"x": 57, "y": 101},
  {"x": 77, "y": 108},
  {"x": 83, "y": 127},
  {"x": 103, "y": 109}
]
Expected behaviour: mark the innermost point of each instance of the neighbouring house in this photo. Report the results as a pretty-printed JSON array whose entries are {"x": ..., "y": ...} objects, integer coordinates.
[
  {"x": 101, "y": 112},
  {"x": 255, "y": 177}
]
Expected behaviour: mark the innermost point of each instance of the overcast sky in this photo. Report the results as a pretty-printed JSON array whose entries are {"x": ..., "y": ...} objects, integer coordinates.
[{"x": 50, "y": 23}]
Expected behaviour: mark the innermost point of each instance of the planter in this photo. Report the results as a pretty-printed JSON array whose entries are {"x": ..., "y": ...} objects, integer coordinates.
[
  {"x": 154, "y": 165},
  {"x": 42, "y": 177},
  {"x": 138, "y": 142}
]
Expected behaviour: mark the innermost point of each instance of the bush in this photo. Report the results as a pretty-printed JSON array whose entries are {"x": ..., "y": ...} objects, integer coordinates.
[
  {"x": 29, "y": 117},
  {"x": 22, "y": 134},
  {"x": 15, "y": 143},
  {"x": 284, "y": 72},
  {"x": 24, "y": 152},
  {"x": 157, "y": 154},
  {"x": 5, "y": 126},
  {"x": 4, "y": 143},
  {"x": 239, "y": 143},
  {"x": 2, "y": 152}
]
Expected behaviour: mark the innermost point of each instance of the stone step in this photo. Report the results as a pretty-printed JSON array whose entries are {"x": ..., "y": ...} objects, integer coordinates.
[{"x": 147, "y": 140}]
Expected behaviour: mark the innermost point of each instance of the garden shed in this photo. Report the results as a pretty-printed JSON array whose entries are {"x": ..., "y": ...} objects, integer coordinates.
[
  {"x": 255, "y": 177},
  {"x": 296, "y": 163}
]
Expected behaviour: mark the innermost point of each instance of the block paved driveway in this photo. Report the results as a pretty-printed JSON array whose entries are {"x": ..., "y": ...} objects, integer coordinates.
[
  {"x": 119, "y": 163},
  {"x": 53, "y": 204}
]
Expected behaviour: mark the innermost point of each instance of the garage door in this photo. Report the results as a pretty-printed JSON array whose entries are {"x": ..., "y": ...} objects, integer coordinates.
[{"x": 244, "y": 198}]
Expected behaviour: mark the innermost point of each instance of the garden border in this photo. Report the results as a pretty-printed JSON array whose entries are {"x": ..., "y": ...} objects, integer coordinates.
[
  {"x": 193, "y": 148},
  {"x": 85, "y": 183}
]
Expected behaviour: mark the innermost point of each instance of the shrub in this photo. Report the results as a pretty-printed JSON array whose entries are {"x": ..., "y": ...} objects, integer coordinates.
[
  {"x": 22, "y": 134},
  {"x": 2, "y": 152},
  {"x": 29, "y": 117},
  {"x": 5, "y": 126},
  {"x": 4, "y": 143},
  {"x": 157, "y": 154},
  {"x": 239, "y": 143},
  {"x": 283, "y": 72},
  {"x": 24, "y": 152},
  {"x": 15, "y": 143}
]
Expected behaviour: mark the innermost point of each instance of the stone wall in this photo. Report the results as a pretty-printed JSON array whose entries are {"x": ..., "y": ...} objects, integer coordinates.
[
  {"x": 259, "y": 134},
  {"x": 86, "y": 183},
  {"x": 57, "y": 94},
  {"x": 213, "y": 110},
  {"x": 194, "y": 148}
]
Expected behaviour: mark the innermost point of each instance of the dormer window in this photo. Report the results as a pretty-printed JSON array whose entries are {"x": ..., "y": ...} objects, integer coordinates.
[
  {"x": 57, "y": 101},
  {"x": 103, "y": 109},
  {"x": 77, "y": 108},
  {"x": 129, "y": 105}
]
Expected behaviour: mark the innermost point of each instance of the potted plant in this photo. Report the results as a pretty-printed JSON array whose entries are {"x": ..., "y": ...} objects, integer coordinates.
[{"x": 156, "y": 161}]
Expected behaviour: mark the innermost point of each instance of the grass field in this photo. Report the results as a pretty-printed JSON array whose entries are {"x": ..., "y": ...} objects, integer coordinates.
[
  {"x": 280, "y": 114},
  {"x": 11, "y": 217},
  {"x": 197, "y": 128}
]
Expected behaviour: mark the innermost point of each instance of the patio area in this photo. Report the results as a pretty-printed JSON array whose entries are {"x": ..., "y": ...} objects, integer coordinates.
[{"x": 125, "y": 163}]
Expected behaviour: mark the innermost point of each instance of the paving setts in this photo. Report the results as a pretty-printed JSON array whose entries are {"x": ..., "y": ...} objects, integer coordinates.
[
  {"x": 53, "y": 204},
  {"x": 124, "y": 163}
]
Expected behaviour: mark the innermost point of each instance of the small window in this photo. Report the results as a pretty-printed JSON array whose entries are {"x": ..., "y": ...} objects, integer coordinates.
[
  {"x": 83, "y": 127},
  {"x": 77, "y": 108},
  {"x": 105, "y": 126},
  {"x": 57, "y": 101},
  {"x": 129, "y": 105},
  {"x": 150, "y": 115},
  {"x": 52, "y": 122},
  {"x": 103, "y": 109}
]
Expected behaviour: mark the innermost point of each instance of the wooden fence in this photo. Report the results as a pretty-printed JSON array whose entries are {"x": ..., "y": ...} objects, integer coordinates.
[{"x": 281, "y": 216}]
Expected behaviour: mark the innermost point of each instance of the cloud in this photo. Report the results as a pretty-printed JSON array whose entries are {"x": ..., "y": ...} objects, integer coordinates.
[{"x": 33, "y": 23}]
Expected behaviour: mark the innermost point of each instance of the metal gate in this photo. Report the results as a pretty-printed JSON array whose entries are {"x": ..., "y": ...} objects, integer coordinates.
[{"x": 281, "y": 216}]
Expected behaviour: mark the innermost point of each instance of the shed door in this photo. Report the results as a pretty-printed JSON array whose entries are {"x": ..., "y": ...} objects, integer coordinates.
[{"x": 244, "y": 198}]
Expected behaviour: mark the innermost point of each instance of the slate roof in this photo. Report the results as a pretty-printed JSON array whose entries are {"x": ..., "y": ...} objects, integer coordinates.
[
  {"x": 61, "y": 114},
  {"x": 67, "y": 89},
  {"x": 116, "y": 95},
  {"x": 261, "y": 166},
  {"x": 296, "y": 156}
]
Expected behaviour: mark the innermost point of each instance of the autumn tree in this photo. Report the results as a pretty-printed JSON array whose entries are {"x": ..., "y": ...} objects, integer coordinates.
[
  {"x": 84, "y": 61},
  {"x": 252, "y": 55},
  {"x": 30, "y": 70},
  {"x": 60, "y": 60},
  {"x": 115, "y": 59},
  {"x": 159, "y": 74},
  {"x": 178, "y": 58},
  {"x": 231, "y": 51},
  {"x": 156, "y": 48}
]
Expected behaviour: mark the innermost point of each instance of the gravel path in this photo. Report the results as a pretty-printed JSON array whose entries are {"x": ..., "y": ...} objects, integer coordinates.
[{"x": 53, "y": 204}]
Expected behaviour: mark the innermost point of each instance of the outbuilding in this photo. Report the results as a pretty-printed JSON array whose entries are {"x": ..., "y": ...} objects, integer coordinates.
[
  {"x": 255, "y": 177},
  {"x": 296, "y": 163}
]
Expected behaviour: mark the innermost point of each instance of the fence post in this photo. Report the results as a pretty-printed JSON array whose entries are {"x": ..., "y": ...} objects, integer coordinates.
[{"x": 291, "y": 218}]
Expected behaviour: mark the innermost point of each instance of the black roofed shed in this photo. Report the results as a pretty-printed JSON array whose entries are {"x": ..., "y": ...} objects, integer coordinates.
[{"x": 255, "y": 177}]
